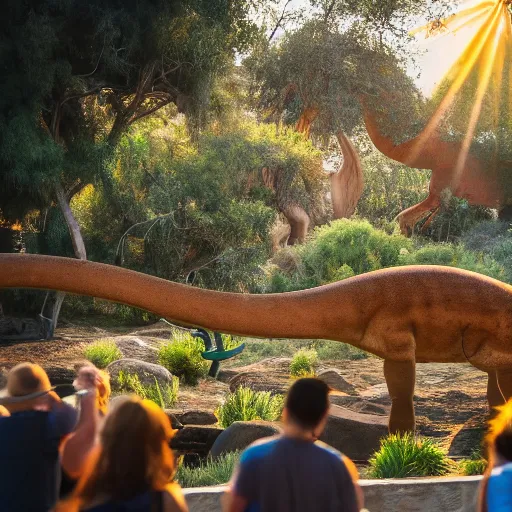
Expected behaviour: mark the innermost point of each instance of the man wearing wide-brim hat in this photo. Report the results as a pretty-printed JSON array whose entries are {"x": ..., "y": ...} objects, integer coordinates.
[{"x": 30, "y": 438}]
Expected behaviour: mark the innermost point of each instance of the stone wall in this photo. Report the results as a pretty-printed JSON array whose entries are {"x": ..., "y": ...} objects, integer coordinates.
[{"x": 404, "y": 495}]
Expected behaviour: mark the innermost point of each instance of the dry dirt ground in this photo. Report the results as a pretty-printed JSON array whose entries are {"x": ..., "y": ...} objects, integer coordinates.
[{"x": 450, "y": 398}]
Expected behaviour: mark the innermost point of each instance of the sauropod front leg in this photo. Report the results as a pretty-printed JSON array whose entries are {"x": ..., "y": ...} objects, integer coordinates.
[
  {"x": 494, "y": 396},
  {"x": 400, "y": 379},
  {"x": 504, "y": 378}
]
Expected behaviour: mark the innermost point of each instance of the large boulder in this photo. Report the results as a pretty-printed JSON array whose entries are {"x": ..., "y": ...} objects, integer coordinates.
[
  {"x": 359, "y": 404},
  {"x": 195, "y": 439},
  {"x": 336, "y": 381},
  {"x": 355, "y": 434},
  {"x": 241, "y": 434},
  {"x": 136, "y": 347},
  {"x": 147, "y": 372},
  {"x": 197, "y": 418},
  {"x": 469, "y": 438}
]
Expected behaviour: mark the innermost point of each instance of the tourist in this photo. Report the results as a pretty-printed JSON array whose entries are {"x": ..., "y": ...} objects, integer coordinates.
[
  {"x": 31, "y": 437},
  {"x": 4, "y": 411},
  {"x": 77, "y": 447},
  {"x": 290, "y": 473},
  {"x": 496, "y": 487},
  {"x": 133, "y": 465}
]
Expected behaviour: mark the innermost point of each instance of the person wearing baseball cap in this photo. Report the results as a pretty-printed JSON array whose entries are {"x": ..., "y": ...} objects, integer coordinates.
[{"x": 31, "y": 437}]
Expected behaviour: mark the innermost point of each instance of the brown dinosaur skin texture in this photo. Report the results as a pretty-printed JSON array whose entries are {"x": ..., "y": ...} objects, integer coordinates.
[
  {"x": 404, "y": 315},
  {"x": 477, "y": 182}
]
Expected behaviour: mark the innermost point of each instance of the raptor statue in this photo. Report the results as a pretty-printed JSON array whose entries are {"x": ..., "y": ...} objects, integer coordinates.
[{"x": 405, "y": 315}]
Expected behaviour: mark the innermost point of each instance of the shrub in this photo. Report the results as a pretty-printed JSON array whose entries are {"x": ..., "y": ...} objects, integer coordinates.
[
  {"x": 102, "y": 352},
  {"x": 182, "y": 357},
  {"x": 211, "y": 472},
  {"x": 164, "y": 396},
  {"x": 303, "y": 363},
  {"x": 403, "y": 455},
  {"x": 469, "y": 467},
  {"x": 336, "y": 351},
  {"x": 246, "y": 405}
]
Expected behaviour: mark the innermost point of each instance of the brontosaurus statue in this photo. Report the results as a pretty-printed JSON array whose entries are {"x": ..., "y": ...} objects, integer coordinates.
[
  {"x": 478, "y": 182},
  {"x": 405, "y": 315}
]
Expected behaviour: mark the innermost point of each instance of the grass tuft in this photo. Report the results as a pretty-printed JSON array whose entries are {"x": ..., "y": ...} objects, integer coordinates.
[
  {"x": 164, "y": 396},
  {"x": 102, "y": 352},
  {"x": 404, "y": 455},
  {"x": 246, "y": 405},
  {"x": 304, "y": 363},
  {"x": 211, "y": 472}
]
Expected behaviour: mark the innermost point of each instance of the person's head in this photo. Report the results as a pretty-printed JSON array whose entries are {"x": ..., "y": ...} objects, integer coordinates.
[
  {"x": 28, "y": 388},
  {"x": 134, "y": 454},
  {"x": 307, "y": 405},
  {"x": 499, "y": 437},
  {"x": 4, "y": 411}
]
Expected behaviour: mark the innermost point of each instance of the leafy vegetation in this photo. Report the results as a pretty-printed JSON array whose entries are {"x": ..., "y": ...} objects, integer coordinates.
[
  {"x": 246, "y": 405},
  {"x": 304, "y": 363},
  {"x": 404, "y": 455},
  {"x": 102, "y": 352},
  {"x": 211, "y": 472},
  {"x": 182, "y": 357},
  {"x": 164, "y": 396}
]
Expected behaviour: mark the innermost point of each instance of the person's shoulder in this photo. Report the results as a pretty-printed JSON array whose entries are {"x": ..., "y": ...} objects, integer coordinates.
[
  {"x": 259, "y": 449},
  {"x": 173, "y": 499},
  {"x": 328, "y": 451},
  {"x": 338, "y": 458},
  {"x": 504, "y": 471}
]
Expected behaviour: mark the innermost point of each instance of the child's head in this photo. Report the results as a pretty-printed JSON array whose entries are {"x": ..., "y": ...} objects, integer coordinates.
[{"x": 499, "y": 438}]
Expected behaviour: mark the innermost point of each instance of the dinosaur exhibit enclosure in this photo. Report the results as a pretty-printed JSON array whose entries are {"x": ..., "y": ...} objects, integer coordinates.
[{"x": 323, "y": 190}]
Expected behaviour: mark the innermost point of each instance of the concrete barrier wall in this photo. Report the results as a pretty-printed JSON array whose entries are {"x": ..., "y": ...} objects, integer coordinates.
[{"x": 403, "y": 495}]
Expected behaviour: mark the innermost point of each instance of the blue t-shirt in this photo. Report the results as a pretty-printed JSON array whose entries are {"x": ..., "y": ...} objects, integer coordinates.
[
  {"x": 29, "y": 458},
  {"x": 289, "y": 475},
  {"x": 499, "y": 489}
]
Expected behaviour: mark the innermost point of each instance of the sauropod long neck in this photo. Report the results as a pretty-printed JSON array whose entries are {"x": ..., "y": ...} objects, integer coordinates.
[{"x": 288, "y": 315}]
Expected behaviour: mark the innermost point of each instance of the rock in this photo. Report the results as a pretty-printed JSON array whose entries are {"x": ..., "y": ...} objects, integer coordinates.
[
  {"x": 195, "y": 439},
  {"x": 116, "y": 400},
  {"x": 135, "y": 347},
  {"x": 147, "y": 372},
  {"x": 335, "y": 381},
  {"x": 197, "y": 418},
  {"x": 358, "y": 404},
  {"x": 3, "y": 378},
  {"x": 241, "y": 434},
  {"x": 58, "y": 375},
  {"x": 175, "y": 422},
  {"x": 355, "y": 434}
]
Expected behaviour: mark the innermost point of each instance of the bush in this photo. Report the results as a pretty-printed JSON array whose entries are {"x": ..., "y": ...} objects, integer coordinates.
[
  {"x": 246, "y": 405},
  {"x": 403, "y": 455},
  {"x": 212, "y": 472},
  {"x": 163, "y": 396},
  {"x": 470, "y": 467},
  {"x": 182, "y": 357},
  {"x": 303, "y": 363},
  {"x": 102, "y": 352},
  {"x": 336, "y": 351}
]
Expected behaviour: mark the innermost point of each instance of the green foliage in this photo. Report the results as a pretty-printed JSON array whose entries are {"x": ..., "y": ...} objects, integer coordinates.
[
  {"x": 246, "y": 405},
  {"x": 211, "y": 472},
  {"x": 303, "y": 363},
  {"x": 102, "y": 352},
  {"x": 472, "y": 467},
  {"x": 336, "y": 351},
  {"x": 404, "y": 455},
  {"x": 164, "y": 396},
  {"x": 182, "y": 357}
]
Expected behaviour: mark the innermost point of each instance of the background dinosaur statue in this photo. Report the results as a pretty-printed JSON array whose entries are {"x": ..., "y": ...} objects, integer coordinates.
[{"x": 404, "y": 315}]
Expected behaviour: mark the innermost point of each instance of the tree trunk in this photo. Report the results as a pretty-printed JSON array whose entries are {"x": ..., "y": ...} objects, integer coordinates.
[
  {"x": 53, "y": 301},
  {"x": 347, "y": 183}
]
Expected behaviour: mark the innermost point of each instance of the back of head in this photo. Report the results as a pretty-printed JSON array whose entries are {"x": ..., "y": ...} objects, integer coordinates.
[
  {"x": 499, "y": 438},
  {"x": 134, "y": 457},
  {"x": 23, "y": 380},
  {"x": 307, "y": 402}
]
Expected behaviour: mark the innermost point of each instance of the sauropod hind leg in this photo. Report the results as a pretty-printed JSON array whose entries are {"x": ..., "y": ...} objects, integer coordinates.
[{"x": 400, "y": 379}]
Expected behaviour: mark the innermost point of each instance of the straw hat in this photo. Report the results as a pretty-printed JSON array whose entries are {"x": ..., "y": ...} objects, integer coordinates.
[{"x": 25, "y": 382}]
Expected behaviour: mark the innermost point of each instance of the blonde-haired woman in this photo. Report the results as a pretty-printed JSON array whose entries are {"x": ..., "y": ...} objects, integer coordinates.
[
  {"x": 133, "y": 466},
  {"x": 496, "y": 487}
]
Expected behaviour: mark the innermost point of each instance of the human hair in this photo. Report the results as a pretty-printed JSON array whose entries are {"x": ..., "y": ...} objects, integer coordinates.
[
  {"x": 499, "y": 443},
  {"x": 307, "y": 402},
  {"x": 133, "y": 456},
  {"x": 103, "y": 391}
]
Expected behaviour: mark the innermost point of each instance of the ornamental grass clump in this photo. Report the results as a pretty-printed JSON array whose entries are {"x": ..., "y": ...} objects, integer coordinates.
[
  {"x": 211, "y": 472},
  {"x": 246, "y": 405},
  {"x": 404, "y": 455},
  {"x": 102, "y": 352},
  {"x": 182, "y": 357},
  {"x": 164, "y": 396},
  {"x": 304, "y": 363}
]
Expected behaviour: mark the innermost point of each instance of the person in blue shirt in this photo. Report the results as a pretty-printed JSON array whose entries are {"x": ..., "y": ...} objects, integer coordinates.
[
  {"x": 293, "y": 472},
  {"x": 496, "y": 487},
  {"x": 31, "y": 437}
]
